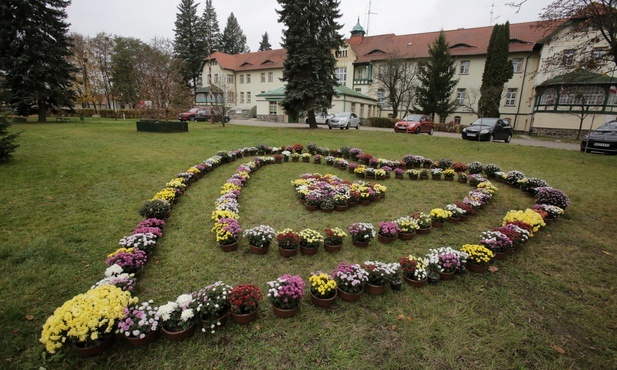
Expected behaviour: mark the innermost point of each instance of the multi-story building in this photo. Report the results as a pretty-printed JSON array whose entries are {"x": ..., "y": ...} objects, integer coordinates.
[{"x": 542, "y": 96}]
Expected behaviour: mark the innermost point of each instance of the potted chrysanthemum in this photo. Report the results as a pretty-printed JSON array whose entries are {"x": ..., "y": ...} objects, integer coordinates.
[
  {"x": 212, "y": 306},
  {"x": 260, "y": 237},
  {"x": 228, "y": 233},
  {"x": 140, "y": 324},
  {"x": 478, "y": 257},
  {"x": 178, "y": 318},
  {"x": 333, "y": 242},
  {"x": 380, "y": 274},
  {"x": 388, "y": 230},
  {"x": 288, "y": 242},
  {"x": 350, "y": 280},
  {"x": 414, "y": 270},
  {"x": 132, "y": 260},
  {"x": 407, "y": 227},
  {"x": 361, "y": 233},
  {"x": 322, "y": 289},
  {"x": 244, "y": 301},
  {"x": 310, "y": 241},
  {"x": 285, "y": 295}
]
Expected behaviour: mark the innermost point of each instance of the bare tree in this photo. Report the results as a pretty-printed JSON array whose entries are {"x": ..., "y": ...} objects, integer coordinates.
[
  {"x": 102, "y": 47},
  {"x": 397, "y": 76},
  {"x": 82, "y": 57}
]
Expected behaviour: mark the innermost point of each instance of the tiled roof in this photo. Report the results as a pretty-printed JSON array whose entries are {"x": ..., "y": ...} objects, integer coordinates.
[
  {"x": 258, "y": 60},
  {"x": 466, "y": 41}
]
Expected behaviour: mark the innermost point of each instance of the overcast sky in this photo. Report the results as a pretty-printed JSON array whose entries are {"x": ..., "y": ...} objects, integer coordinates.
[{"x": 145, "y": 19}]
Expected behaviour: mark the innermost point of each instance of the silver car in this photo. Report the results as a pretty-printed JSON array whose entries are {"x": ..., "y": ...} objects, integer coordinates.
[
  {"x": 344, "y": 120},
  {"x": 321, "y": 118}
]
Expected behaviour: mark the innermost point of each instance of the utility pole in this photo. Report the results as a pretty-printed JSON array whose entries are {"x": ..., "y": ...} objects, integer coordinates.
[{"x": 368, "y": 17}]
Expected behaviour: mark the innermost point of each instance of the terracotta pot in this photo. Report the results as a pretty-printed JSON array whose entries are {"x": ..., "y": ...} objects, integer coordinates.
[
  {"x": 348, "y": 297},
  {"x": 437, "y": 224},
  {"x": 311, "y": 208},
  {"x": 222, "y": 320},
  {"x": 284, "y": 314},
  {"x": 258, "y": 250},
  {"x": 453, "y": 220},
  {"x": 500, "y": 256},
  {"x": 333, "y": 248},
  {"x": 424, "y": 231},
  {"x": 365, "y": 202},
  {"x": 287, "y": 252},
  {"x": 244, "y": 318},
  {"x": 374, "y": 289},
  {"x": 327, "y": 210},
  {"x": 472, "y": 267},
  {"x": 448, "y": 178},
  {"x": 308, "y": 251},
  {"x": 416, "y": 283},
  {"x": 96, "y": 349},
  {"x": 340, "y": 208},
  {"x": 179, "y": 335},
  {"x": 446, "y": 275},
  {"x": 323, "y": 302},
  {"x": 461, "y": 181},
  {"x": 360, "y": 244},
  {"x": 140, "y": 342},
  {"x": 385, "y": 239},
  {"x": 405, "y": 236},
  {"x": 229, "y": 247}
]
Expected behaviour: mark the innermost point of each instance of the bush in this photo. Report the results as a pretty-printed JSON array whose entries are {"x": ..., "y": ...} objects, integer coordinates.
[
  {"x": 382, "y": 122},
  {"x": 7, "y": 139}
]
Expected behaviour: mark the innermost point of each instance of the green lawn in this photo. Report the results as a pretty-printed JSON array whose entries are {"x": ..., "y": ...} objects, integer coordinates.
[{"x": 73, "y": 190}]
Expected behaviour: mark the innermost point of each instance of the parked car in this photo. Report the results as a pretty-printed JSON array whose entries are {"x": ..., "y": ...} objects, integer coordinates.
[
  {"x": 415, "y": 124},
  {"x": 322, "y": 118},
  {"x": 203, "y": 115},
  {"x": 189, "y": 115},
  {"x": 488, "y": 129},
  {"x": 344, "y": 120},
  {"x": 603, "y": 139}
]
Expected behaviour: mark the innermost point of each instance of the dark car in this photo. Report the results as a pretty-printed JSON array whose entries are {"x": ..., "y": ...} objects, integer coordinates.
[
  {"x": 188, "y": 115},
  {"x": 603, "y": 139},
  {"x": 488, "y": 129},
  {"x": 415, "y": 124},
  {"x": 203, "y": 115}
]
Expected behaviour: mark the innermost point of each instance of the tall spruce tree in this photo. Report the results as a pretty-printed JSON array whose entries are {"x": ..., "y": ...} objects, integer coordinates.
[
  {"x": 497, "y": 71},
  {"x": 233, "y": 40},
  {"x": 310, "y": 36},
  {"x": 189, "y": 42},
  {"x": 34, "y": 64},
  {"x": 212, "y": 32},
  {"x": 436, "y": 77},
  {"x": 265, "y": 42}
]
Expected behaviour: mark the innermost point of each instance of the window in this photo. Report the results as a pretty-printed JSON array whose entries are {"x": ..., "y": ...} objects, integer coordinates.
[
  {"x": 230, "y": 79},
  {"x": 568, "y": 57},
  {"x": 361, "y": 110},
  {"x": 241, "y": 98},
  {"x": 457, "y": 120},
  {"x": 341, "y": 75},
  {"x": 511, "y": 97},
  {"x": 248, "y": 78},
  {"x": 517, "y": 65},
  {"x": 598, "y": 53},
  {"x": 270, "y": 76},
  {"x": 341, "y": 53},
  {"x": 460, "y": 96},
  {"x": 248, "y": 97},
  {"x": 216, "y": 78},
  {"x": 263, "y": 77},
  {"x": 549, "y": 97},
  {"x": 230, "y": 96},
  {"x": 464, "y": 70},
  {"x": 273, "y": 106},
  {"x": 241, "y": 79},
  {"x": 587, "y": 95},
  {"x": 442, "y": 119},
  {"x": 353, "y": 107}
]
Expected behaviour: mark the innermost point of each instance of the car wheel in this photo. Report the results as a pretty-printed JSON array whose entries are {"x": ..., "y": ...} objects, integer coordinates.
[
  {"x": 418, "y": 131},
  {"x": 328, "y": 122},
  {"x": 330, "y": 127},
  {"x": 357, "y": 126},
  {"x": 191, "y": 118},
  {"x": 347, "y": 127},
  {"x": 432, "y": 131},
  {"x": 509, "y": 138},
  {"x": 491, "y": 137}
]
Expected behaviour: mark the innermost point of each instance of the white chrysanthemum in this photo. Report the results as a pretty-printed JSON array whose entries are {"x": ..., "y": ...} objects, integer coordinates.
[
  {"x": 164, "y": 311},
  {"x": 187, "y": 314},
  {"x": 184, "y": 300},
  {"x": 113, "y": 270}
]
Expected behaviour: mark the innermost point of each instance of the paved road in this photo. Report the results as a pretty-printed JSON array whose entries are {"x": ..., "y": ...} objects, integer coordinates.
[{"x": 528, "y": 141}]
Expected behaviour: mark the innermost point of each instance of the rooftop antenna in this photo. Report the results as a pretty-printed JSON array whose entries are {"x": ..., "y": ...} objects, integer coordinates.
[
  {"x": 368, "y": 16},
  {"x": 492, "y": 13}
]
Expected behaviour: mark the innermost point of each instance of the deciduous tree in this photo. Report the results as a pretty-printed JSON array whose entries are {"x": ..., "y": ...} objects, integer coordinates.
[{"x": 397, "y": 76}]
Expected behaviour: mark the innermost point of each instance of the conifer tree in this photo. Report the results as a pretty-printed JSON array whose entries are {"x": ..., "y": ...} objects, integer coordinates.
[
  {"x": 436, "y": 77},
  {"x": 7, "y": 139},
  {"x": 189, "y": 43},
  {"x": 310, "y": 37},
  {"x": 265, "y": 43},
  {"x": 34, "y": 57},
  {"x": 212, "y": 32},
  {"x": 233, "y": 40},
  {"x": 497, "y": 71}
]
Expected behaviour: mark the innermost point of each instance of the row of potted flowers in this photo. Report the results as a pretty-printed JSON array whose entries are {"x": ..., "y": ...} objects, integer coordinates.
[{"x": 113, "y": 292}]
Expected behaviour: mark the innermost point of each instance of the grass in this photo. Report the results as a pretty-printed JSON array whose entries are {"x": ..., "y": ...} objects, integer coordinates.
[{"x": 74, "y": 189}]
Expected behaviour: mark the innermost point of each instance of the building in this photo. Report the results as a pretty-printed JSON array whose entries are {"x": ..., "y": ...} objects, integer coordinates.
[{"x": 539, "y": 51}]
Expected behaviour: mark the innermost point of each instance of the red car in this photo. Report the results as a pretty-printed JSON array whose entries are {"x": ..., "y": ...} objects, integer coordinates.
[
  {"x": 415, "y": 124},
  {"x": 189, "y": 116}
]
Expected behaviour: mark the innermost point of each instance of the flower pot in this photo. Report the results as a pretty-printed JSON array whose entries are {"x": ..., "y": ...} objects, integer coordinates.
[
  {"x": 462, "y": 181},
  {"x": 308, "y": 250},
  {"x": 258, "y": 250},
  {"x": 446, "y": 275},
  {"x": 360, "y": 175},
  {"x": 424, "y": 231},
  {"x": 311, "y": 208},
  {"x": 317, "y": 161},
  {"x": 295, "y": 159},
  {"x": 287, "y": 252},
  {"x": 242, "y": 319},
  {"x": 374, "y": 289},
  {"x": 340, "y": 208},
  {"x": 365, "y": 202},
  {"x": 179, "y": 335},
  {"x": 437, "y": 224},
  {"x": 385, "y": 239},
  {"x": 322, "y": 302},
  {"x": 400, "y": 177},
  {"x": 500, "y": 255},
  {"x": 423, "y": 177},
  {"x": 350, "y": 169},
  {"x": 436, "y": 178},
  {"x": 352, "y": 204},
  {"x": 333, "y": 248},
  {"x": 220, "y": 321},
  {"x": 360, "y": 244},
  {"x": 348, "y": 297},
  {"x": 448, "y": 178},
  {"x": 405, "y": 236},
  {"x": 416, "y": 283},
  {"x": 140, "y": 342},
  {"x": 396, "y": 285},
  {"x": 96, "y": 349},
  {"x": 229, "y": 247},
  {"x": 284, "y": 314},
  {"x": 327, "y": 210},
  {"x": 479, "y": 268},
  {"x": 453, "y": 220}
]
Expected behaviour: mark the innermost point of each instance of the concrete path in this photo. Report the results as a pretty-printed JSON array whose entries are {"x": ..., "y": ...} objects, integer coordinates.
[{"x": 526, "y": 140}]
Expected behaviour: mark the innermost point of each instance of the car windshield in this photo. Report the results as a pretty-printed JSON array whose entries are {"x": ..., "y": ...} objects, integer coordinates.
[
  {"x": 608, "y": 127},
  {"x": 485, "y": 122},
  {"x": 193, "y": 110},
  {"x": 412, "y": 117},
  {"x": 343, "y": 114}
]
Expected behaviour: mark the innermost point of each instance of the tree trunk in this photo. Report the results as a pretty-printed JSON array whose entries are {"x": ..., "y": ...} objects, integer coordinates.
[
  {"x": 310, "y": 115},
  {"x": 42, "y": 112}
]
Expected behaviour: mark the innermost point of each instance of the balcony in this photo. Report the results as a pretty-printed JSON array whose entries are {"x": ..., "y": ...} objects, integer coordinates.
[{"x": 362, "y": 81}]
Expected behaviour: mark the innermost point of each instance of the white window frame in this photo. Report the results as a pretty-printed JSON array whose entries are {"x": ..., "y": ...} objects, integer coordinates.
[
  {"x": 248, "y": 78},
  {"x": 270, "y": 76},
  {"x": 248, "y": 97},
  {"x": 568, "y": 57},
  {"x": 517, "y": 65},
  {"x": 273, "y": 107},
  {"x": 230, "y": 78},
  {"x": 241, "y": 79},
  {"x": 464, "y": 67},
  {"x": 242, "y": 97},
  {"x": 263, "y": 77},
  {"x": 461, "y": 94},
  {"x": 511, "y": 97}
]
